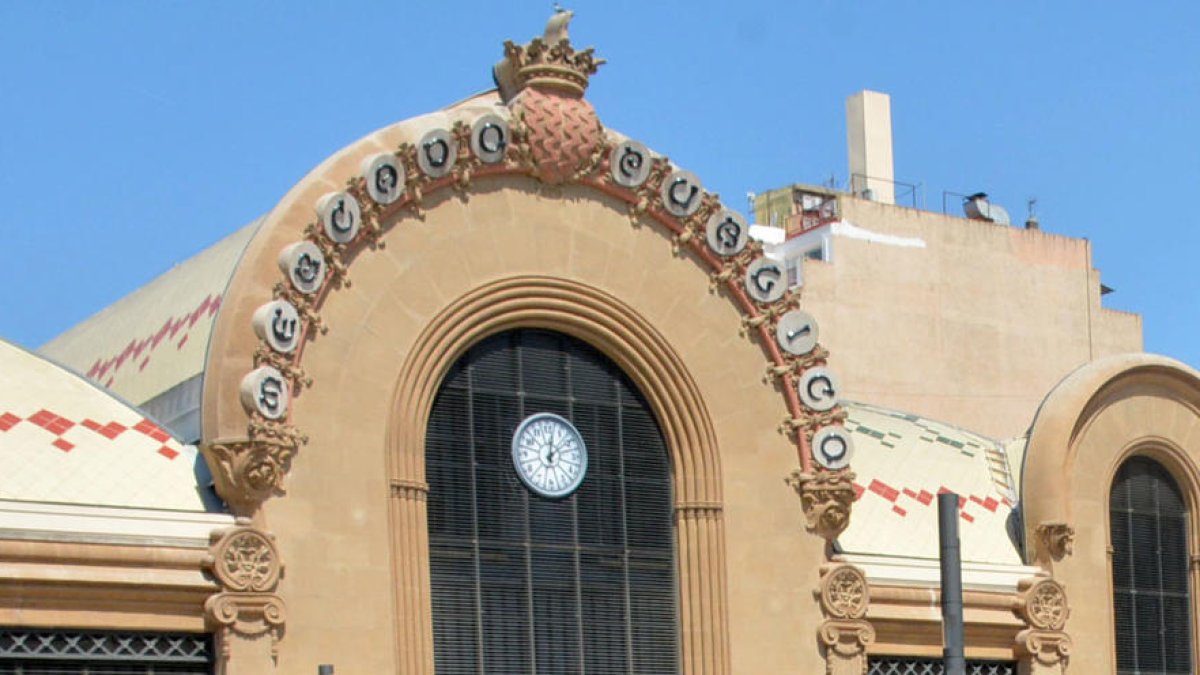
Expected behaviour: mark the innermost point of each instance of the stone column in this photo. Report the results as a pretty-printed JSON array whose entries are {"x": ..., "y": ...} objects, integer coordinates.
[
  {"x": 1044, "y": 648},
  {"x": 700, "y": 533},
  {"x": 410, "y": 546},
  {"x": 845, "y": 634},
  {"x": 247, "y": 616}
]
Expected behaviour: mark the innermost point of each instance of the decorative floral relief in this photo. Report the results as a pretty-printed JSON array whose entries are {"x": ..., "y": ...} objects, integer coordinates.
[
  {"x": 844, "y": 592},
  {"x": 246, "y": 564}
]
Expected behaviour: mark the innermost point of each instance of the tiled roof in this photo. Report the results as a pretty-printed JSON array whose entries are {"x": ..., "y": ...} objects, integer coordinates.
[
  {"x": 63, "y": 440},
  {"x": 901, "y": 462},
  {"x": 157, "y": 336}
]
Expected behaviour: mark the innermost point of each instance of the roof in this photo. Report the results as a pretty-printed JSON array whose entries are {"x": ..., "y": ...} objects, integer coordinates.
[
  {"x": 902, "y": 462},
  {"x": 66, "y": 441},
  {"x": 156, "y": 337}
]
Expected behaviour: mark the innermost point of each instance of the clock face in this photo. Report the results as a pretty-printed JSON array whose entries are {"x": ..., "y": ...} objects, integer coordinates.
[{"x": 549, "y": 455}]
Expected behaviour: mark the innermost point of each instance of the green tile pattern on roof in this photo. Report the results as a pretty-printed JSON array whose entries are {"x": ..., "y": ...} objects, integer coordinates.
[{"x": 902, "y": 461}]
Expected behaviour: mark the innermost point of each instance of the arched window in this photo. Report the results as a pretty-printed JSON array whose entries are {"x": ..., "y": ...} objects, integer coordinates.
[
  {"x": 1151, "y": 595},
  {"x": 523, "y": 583}
]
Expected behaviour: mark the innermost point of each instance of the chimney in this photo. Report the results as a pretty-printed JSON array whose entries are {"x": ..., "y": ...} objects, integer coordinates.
[{"x": 869, "y": 139}]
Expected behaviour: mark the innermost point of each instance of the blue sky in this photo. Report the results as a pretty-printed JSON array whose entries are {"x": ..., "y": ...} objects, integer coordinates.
[{"x": 138, "y": 133}]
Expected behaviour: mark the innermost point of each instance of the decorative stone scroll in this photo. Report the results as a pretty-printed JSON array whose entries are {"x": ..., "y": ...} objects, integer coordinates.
[
  {"x": 1056, "y": 540},
  {"x": 825, "y": 498},
  {"x": 246, "y": 564},
  {"x": 1044, "y": 647},
  {"x": 248, "y": 471},
  {"x": 844, "y": 595}
]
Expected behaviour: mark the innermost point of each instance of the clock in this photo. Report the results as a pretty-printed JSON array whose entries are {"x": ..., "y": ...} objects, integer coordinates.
[{"x": 549, "y": 455}]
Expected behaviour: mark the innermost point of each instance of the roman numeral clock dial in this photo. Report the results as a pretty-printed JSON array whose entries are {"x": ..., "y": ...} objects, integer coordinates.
[{"x": 549, "y": 455}]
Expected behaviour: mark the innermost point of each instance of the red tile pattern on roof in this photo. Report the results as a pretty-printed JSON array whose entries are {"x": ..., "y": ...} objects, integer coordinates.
[
  {"x": 105, "y": 370},
  {"x": 58, "y": 425},
  {"x": 925, "y": 498}
]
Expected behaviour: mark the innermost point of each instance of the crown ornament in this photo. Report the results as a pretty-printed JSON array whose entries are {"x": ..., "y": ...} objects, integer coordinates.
[{"x": 547, "y": 63}]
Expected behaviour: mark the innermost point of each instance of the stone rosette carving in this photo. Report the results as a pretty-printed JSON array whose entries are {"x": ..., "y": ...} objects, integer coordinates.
[
  {"x": 844, "y": 596},
  {"x": 843, "y": 592},
  {"x": 246, "y": 564},
  {"x": 825, "y": 497},
  {"x": 245, "y": 559},
  {"x": 1057, "y": 539},
  {"x": 1042, "y": 605}
]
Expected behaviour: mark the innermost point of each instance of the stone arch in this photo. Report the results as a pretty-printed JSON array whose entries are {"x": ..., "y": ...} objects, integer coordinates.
[
  {"x": 642, "y": 353},
  {"x": 438, "y": 222},
  {"x": 1092, "y": 422}
]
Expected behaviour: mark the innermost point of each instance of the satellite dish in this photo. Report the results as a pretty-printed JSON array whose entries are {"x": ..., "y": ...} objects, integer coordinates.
[{"x": 977, "y": 207}]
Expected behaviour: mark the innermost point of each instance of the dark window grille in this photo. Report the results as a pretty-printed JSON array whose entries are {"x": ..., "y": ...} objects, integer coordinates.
[
  {"x": 63, "y": 652},
  {"x": 1151, "y": 594},
  {"x": 526, "y": 585},
  {"x": 890, "y": 665},
  {"x": 521, "y": 584}
]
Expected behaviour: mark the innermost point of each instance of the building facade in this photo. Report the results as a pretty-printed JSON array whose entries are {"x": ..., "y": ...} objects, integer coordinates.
[{"x": 499, "y": 389}]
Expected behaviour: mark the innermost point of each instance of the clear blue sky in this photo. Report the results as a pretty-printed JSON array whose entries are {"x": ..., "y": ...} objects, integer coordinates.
[{"x": 137, "y": 133}]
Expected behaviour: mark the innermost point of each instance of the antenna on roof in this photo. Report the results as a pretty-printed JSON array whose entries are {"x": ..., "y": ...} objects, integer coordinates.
[{"x": 1031, "y": 223}]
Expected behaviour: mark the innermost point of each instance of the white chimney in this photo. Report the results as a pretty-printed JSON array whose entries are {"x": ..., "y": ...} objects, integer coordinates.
[{"x": 869, "y": 139}]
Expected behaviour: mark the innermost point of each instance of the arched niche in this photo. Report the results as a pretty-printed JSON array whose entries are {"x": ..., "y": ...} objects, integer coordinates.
[{"x": 1092, "y": 422}]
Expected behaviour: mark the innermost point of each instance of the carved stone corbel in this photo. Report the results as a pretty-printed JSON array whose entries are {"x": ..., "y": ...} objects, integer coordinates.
[
  {"x": 826, "y": 497},
  {"x": 844, "y": 595},
  {"x": 1055, "y": 540},
  {"x": 1044, "y": 647},
  {"x": 246, "y": 564},
  {"x": 248, "y": 471}
]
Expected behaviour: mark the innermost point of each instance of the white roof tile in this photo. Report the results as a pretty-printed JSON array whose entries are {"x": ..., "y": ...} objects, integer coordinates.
[
  {"x": 157, "y": 336},
  {"x": 901, "y": 463},
  {"x": 64, "y": 440}
]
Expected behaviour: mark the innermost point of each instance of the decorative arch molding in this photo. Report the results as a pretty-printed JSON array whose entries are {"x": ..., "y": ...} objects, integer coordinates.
[
  {"x": 1092, "y": 422},
  {"x": 1071, "y": 413},
  {"x": 541, "y": 134},
  {"x": 642, "y": 353},
  {"x": 547, "y": 131},
  {"x": 589, "y": 314}
]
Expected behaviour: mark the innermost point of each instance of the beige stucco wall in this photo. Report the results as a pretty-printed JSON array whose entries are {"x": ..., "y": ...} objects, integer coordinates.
[{"x": 974, "y": 328}]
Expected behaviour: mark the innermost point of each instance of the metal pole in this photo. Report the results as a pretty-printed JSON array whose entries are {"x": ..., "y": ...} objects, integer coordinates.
[
  {"x": 325, "y": 669},
  {"x": 952, "y": 606}
]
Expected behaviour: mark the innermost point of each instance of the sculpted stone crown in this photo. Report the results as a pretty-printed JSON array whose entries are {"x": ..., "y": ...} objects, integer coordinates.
[{"x": 550, "y": 62}]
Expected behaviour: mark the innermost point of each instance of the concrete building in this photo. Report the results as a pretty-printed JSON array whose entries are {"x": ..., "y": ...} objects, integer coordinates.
[
  {"x": 498, "y": 389},
  {"x": 986, "y": 317}
]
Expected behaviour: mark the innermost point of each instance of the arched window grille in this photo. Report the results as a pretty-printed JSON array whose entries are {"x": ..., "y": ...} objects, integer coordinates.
[
  {"x": 1151, "y": 594},
  {"x": 524, "y": 584}
]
